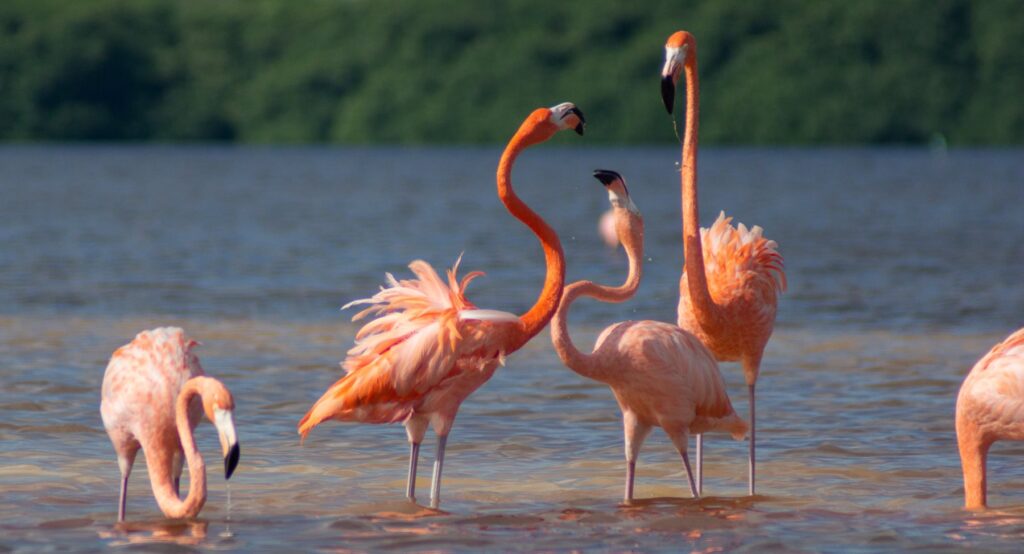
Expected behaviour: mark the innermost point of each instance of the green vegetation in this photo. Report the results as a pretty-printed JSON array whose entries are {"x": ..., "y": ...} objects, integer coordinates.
[{"x": 465, "y": 71}]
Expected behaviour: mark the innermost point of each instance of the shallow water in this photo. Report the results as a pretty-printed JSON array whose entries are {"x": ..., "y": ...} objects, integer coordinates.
[{"x": 903, "y": 268}]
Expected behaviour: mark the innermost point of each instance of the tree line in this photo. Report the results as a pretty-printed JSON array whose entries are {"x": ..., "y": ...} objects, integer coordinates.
[{"x": 466, "y": 71}]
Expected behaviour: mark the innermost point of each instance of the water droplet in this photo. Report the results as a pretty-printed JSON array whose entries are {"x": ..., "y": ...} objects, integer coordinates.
[{"x": 227, "y": 534}]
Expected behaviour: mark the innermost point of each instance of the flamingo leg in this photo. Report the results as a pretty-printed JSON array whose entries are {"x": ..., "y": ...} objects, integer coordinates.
[
  {"x": 123, "y": 501},
  {"x": 689, "y": 475},
  {"x": 700, "y": 462},
  {"x": 435, "y": 485},
  {"x": 125, "y": 463},
  {"x": 414, "y": 456},
  {"x": 630, "y": 473},
  {"x": 753, "y": 435}
]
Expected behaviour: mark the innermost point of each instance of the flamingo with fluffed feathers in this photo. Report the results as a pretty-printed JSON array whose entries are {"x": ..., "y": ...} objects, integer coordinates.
[
  {"x": 662, "y": 376},
  {"x": 732, "y": 276},
  {"x": 430, "y": 347},
  {"x": 154, "y": 393},
  {"x": 989, "y": 407}
]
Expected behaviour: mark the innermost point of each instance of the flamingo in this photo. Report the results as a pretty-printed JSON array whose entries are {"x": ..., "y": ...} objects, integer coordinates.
[
  {"x": 662, "y": 375},
  {"x": 431, "y": 348},
  {"x": 606, "y": 228},
  {"x": 990, "y": 407},
  {"x": 149, "y": 402},
  {"x": 728, "y": 292}
]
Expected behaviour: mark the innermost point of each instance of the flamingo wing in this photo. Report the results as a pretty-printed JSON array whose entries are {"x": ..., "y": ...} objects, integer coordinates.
[
  {"x": 425, "y": 331},
  {"x": 736, "y": 257}
]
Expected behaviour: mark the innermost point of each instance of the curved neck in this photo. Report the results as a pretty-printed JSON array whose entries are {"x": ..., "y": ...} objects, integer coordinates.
[
  {"x": 696, "y": 279},
  {"x": 586, "y": 364},
  {"x": 163, "y": 489},
  {"x": 973, "y": 454},
  {"x": 544, "y": 308}
]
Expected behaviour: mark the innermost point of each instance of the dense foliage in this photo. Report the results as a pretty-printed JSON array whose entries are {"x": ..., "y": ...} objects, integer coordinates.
[{"x": 419, "y": 71}]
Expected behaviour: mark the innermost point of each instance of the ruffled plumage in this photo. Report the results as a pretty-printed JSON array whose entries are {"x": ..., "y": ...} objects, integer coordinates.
[
  {"x": 415, "y": 342},
  {"x": 733, "y": 255}
]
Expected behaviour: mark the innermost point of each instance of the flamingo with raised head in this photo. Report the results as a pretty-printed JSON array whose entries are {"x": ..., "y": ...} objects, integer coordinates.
[
  {"x": 662, "y": 376},
  {"x": 431, "y": 348},
  {"x": 990, "y": 407},
  {"x": 728, "y": 292},
  {"x": 154, "y": 393}
]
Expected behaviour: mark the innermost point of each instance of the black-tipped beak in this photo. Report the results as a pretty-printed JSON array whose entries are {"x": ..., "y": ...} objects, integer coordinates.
[
  {"x": 582, "y": 123},
  {"x": 606, "y": 176},
  {"x": 231, "y": 461},
  {"x": 668, "y": 92}
]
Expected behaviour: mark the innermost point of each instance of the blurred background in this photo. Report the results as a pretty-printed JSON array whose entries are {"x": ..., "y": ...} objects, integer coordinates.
[{"x": 458, "y": 71}]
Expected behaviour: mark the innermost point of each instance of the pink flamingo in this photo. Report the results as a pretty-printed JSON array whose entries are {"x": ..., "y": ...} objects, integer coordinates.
[
  {"x": 662, "y": 376},
  {"x": 431, "y": 348},
  {"x": 606, "y": 228},
  {"x": 990, "y": 407},
  {"x": 731, "y": 278},
  {"x": 149, "y": 402}
]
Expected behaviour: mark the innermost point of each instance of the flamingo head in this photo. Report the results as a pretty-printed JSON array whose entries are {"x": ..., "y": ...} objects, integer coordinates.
[
  {"x": 219, "y": 406},
  {"x": 629, "y": 224},
  {"x": 567, "y": 116},
  {"x": 618, "y": 193},
  {"x": 543, "y": 123},
  {"x": 678, "y": 48}
]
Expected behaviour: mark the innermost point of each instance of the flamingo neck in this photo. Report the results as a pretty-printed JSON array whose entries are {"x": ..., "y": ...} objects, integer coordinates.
[
  {"x": 588, "y": 365},
  {"x": 973, "y": 455},
  {"x": 696, "y": 278},
  {"x": 544, "y": 308},
  {"x": 163, "y": 489}
]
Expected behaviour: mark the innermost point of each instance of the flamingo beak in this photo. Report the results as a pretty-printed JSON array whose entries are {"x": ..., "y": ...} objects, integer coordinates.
[
  {"x": 668, "y": 92},
  {"x": 579, "y": 115},
  {"x": 225, "y": 424},
  {"x": 606, "y": 176}
]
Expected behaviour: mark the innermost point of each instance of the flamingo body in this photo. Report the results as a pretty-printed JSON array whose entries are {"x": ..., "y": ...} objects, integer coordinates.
[
  {"x": 744, "y": 275},
  {"x": 989, "y": 407},
  {"x": 430, "y": 348},
  {"x": 154, "y": 394},
  {"x": 728, "y": 292},
  {"x": 661, "y": 375}
]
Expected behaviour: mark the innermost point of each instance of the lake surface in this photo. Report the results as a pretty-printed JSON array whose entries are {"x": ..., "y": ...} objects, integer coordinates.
[{"x": 904, "y": 267}]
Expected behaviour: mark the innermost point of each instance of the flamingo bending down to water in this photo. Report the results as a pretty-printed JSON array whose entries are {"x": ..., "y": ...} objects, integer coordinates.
[
  {"x": 662, "y": 376},
  {"x": 990, "y": 407},
  {"x": 732, "y": 276},
  {"x": 150, "y": 392},
  {"x": 431, "y": 348}
]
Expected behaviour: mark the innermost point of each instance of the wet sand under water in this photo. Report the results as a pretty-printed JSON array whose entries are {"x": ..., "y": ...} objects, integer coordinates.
[{"x": 534, "y": 462}]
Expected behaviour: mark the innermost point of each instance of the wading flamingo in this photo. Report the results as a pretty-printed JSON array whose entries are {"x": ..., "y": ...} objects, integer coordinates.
[
  {"x": 150, "y": 392},
  {"x": 662, "y": 376},
  {"x": 732, "y": 276},
  {"x": 431, "y": 348},
  {"x": 990, "y": 407}
]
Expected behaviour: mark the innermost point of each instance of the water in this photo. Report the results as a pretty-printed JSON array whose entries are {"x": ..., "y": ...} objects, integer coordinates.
[{"x": 904, "y": 267}]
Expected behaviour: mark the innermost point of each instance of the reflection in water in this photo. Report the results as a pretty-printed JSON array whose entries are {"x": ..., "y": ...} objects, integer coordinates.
[{"x": 188, "y": 533}]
